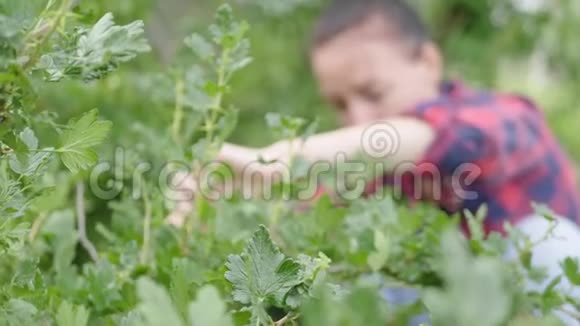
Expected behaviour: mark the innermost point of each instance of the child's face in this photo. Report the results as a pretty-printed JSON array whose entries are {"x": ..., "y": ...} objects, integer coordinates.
[{"x": 368, "y": 75}]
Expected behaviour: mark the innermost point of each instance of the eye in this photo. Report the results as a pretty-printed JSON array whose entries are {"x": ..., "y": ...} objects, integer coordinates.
[
  {"x": 338, "y": 103},
  {"x": 372, "y": 94}
]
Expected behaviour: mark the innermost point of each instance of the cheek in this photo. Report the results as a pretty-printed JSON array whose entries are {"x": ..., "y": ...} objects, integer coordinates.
[
  {"x": 401, "y": 100},
  {"x": 404, "y": 98}
]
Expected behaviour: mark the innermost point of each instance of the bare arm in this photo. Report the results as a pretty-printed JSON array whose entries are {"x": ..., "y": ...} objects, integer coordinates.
[{"x": 391, "y": 142}]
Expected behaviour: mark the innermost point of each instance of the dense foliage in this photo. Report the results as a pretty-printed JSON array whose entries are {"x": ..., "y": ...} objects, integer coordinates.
[{"x": 83, "y": 240}]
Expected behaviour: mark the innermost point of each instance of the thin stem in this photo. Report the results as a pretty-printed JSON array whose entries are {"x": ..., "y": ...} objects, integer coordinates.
[
  {"x": 279, "y": 207},
  {"x": 285, "y": 319},
  {"x": 81, "y": 219},
  {"x": 46, "y": 32},
  {"x": 275, "y": 220},
  {"x": 178, "y": 113},
  {"x": 36, "y": 226},
  {"x": 146, "y": 227},
  {"x": 211, "y": 119},
  {"x": 193, "y": 218},
  {"x": 45, "y": 150}
]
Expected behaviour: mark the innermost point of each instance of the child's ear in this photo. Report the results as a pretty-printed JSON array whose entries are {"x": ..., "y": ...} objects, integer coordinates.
[{"x": 431, "y": 55}]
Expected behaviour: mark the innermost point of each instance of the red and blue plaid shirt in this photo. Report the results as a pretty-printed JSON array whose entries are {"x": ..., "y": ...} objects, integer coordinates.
[{"x": 504, "y": 137}]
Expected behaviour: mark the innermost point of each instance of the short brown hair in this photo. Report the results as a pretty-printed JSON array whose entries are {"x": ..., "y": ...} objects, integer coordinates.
[{"x": 341, "y": 15}]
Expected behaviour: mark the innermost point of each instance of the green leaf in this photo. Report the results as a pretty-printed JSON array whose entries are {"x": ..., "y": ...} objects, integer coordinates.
[
  {"x": 379, "y": 258},
  {"x": 29, "y": 164},
  {"x": 98, "y": 50},
  {"x": 527, "y": 320},
  {"x": 185, "y": 273},
  {"x": 11, "y": 197},
  {"x": 70, "y": 315},
  {"x": 78, "y": 140},
  {"x": 19, "y": 312},
  {"x": 102, "y": 285},
  {"x": 109, "y": 41},
  {"x": 476, "y": 290},
  {"x": 131, "y": 319},
  {"x": 475, "y": 223},
  {"x": 361, "y": 307},
  {"x": 209, "y": 309},
  {"x": 200, "y": 46},
  {"x": 60, "y": 226},
  {"x": 571, "y": 270},
  {"x": 224, "y": 18},
  {"x": 16, "y": 17},
  {"x": 544, "y": 211},
  {"x": 228, "y": 123},
  {"x": 310, "y": 129},
  {"x": 285, "y": 126},
  {"x": 273, "y": 120},
  {"x": 312, "y": 266},
  {"x": 212, "y": 89},
  {"x": 261, "y": 275},
  {"x": 28, "y": 138},
  {"x": 156, "y": 307}
]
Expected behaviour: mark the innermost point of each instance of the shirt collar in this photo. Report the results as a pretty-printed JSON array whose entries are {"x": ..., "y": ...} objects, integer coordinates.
[{"x": 454, "y": 89}]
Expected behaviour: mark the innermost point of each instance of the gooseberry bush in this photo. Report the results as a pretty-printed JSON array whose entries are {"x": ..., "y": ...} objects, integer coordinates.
[{"x": 235, "y": 262}]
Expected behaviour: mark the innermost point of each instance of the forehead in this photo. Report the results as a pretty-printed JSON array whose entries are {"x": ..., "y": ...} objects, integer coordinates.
[
  {"x": 368, "y": 39},
  {"x": 360, "y": 55}
]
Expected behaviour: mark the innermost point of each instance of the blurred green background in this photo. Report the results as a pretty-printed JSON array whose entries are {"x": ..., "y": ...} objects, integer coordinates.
[{"x": 525, "y": 46}]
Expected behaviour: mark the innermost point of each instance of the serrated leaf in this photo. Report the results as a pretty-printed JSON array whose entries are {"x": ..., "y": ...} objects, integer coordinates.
[
  {"x": 101, "y": 284},
  {"x": 11, "y": 198},
  {"x": 273, "y": 120},
  {"x": 285, "y": 126},
  {"x": 70, "y": 315},
  {"x": 200, "y": 46},
  {"x": 310, "y": 129},
  {"x": 361, "y": 307},
  {"x": 209, "y": 309},
  {"x": 28, "y": 138},
  {"x": 77, "y": 141},
  {"x": 228, "y": 123},
  {"x": 16, "y": 17},
  {"x": 109, "y": 41},
  {"x": 224, "y": 17},
  {"x": 131, "y": 319},
  {"x": 544, "y": 211},
  {"x": 239, "y": 64},
  {"x": 212, "y": 89},
  {"x": 156, "y": 307},
  {"x": 19, "y": 312},
  {"x": 98, "y": 51},
  {"x": 185, "y": 272},
  {"x": 311, "y": 266},
  {"x": 475, "y": 292},
  {"x": 261, "y": 275},
  {"x": 28, "y": 164}
]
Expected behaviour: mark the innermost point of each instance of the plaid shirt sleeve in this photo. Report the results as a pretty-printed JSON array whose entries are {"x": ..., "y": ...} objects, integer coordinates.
[
  {"x": 506, "y": 141},
  {"x": 501, "y": 137}
]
